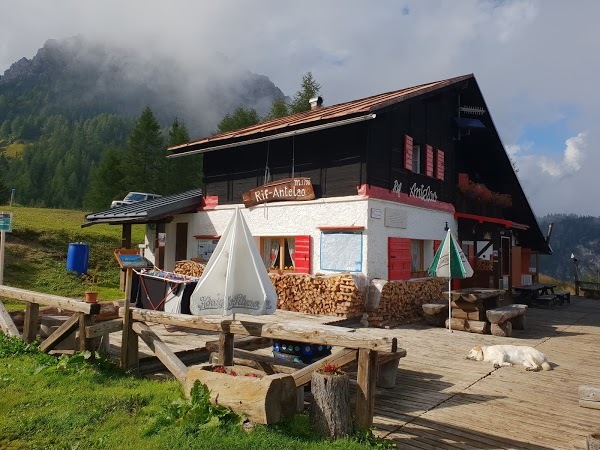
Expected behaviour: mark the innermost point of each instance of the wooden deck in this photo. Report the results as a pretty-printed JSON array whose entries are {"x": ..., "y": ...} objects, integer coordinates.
[{"x": 444, "y": 401}]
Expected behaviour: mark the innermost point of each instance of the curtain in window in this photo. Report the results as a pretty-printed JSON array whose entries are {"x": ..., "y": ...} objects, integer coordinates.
[
  {"x": 291, "y": 242},
  {"x": 270, "y": 252}
]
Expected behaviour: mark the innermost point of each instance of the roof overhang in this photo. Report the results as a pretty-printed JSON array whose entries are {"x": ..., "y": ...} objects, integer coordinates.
[{"x": 157, "y": 210}]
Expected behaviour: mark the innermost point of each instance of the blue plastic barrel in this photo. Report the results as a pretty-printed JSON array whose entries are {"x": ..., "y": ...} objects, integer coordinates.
[{"x": 77, "y": 258}]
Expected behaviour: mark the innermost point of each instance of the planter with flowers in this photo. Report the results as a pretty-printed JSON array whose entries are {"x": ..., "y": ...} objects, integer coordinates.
[
  {"x": 330, "y": 412},
  {"x": 260, "y": 397},
  {"x": 90, "y": 282}
]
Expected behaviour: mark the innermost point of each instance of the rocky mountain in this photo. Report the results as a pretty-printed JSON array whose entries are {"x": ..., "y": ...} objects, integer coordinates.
[
  {"x": 80, "y": 78},
  {"x": 572, "y": 234}
]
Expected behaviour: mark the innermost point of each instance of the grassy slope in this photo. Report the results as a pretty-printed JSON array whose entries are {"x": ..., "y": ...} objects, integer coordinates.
[{"x": 36, "y": 251}]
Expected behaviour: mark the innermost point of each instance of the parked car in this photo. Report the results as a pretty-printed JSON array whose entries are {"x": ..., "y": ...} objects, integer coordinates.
[{"x": 134, "y": 197}]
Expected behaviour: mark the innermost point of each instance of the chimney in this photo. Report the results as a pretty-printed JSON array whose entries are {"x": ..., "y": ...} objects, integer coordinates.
[{"x": 316, "y": 102}]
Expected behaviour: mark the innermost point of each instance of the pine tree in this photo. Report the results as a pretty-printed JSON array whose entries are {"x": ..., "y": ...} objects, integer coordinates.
[
  {"x": 279, "y": 109},
  {"x": 185, "y": 172},
  {"x": 145, "y": 159},
  {"x": 309, "y": 88},
  {"x": 106, "y": 181},
  {"x": 240, "y": 118}
]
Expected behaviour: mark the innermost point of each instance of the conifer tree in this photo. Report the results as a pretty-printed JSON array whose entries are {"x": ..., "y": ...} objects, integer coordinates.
[
  {"x": 240, "y": 118},
  {"x": 309, "y": 88},
  {"x": 185, "y": 172}
]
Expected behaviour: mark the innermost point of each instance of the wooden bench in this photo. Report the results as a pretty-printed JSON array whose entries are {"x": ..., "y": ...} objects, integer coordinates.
[
  {"x": 563, "y": 296},
  {"x": 548, "y": 300},
  {"x": 435, "y": 313},
  {"x": 505, "y": 318}
]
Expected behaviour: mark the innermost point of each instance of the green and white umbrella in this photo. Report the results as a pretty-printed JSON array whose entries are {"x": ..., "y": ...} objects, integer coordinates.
[{"x": 450, "y": 262}]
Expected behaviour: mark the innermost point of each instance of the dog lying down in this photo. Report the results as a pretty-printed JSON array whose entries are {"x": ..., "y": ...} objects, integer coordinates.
[{"x": 507, "y": 355}]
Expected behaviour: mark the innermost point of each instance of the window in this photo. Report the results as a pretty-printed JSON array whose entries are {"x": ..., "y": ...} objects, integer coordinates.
[
  {"x": 278, "y": 252},
  {"x": 416, "y": 159},
  {"x": 416, "y": 255}
]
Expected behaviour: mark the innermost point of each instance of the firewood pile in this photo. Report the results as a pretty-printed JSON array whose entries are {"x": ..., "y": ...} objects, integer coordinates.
[
  {"x": 330, "y": 295},
  {"x": 190, "y": 268},
  {"x": 484, "y": 265},
  {"x": 394, "y": 303}
]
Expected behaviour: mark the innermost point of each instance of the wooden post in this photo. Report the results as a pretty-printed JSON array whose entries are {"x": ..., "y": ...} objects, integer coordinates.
[
  {"x": 129, "y": 341},
  {"x": 30, "y": 325},
  {"x": 226, "y": 349},
  {"x": 85, "y": 343},
  {"x": 6, "y": 323},
  {"x": 576, "y": 263},
  {"x": 365, "y": 391}
]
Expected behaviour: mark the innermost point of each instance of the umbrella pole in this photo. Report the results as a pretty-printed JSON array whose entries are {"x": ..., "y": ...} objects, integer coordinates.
[{"x": 449, "y": 307}]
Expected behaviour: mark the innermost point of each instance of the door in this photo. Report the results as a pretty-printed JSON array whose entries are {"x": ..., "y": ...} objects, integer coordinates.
[
  {"x": 181, "y": 241},
  {"x": 398, "y": 258}
]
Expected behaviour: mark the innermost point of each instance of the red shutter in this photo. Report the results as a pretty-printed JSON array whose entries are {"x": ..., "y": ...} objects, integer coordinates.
[
  {"x": 440, "y": 165},
  {"x": 398, "y": 258},
  {"x": 429, "y": 160},
  {"x": 408, "y": 154},
  {"x": 302, "y": 254},
  {"x": 436, "y": 245}
]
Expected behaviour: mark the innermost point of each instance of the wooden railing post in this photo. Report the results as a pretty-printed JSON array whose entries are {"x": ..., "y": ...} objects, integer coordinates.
[
  {"x": 30, "y": 324},
  {"x": 129, "y": 342},
  {"x": 365, "y": 392},
  {"x": 85, "y": 344},
  {"x": 226, "y": 349}
]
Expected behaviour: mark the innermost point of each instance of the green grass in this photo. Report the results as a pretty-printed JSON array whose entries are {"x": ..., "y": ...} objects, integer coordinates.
[
  {"x": 560, "y": 285},
  {"x": 36, "y": 251},
  {"x": 49, "y": 403}
]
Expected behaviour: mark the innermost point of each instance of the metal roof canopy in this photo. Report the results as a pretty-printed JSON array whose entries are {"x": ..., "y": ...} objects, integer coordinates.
[{"x": 148, "y": 211}]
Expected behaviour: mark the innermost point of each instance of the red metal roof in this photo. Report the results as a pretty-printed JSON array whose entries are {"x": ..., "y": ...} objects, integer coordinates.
[{"x": 326, "y": 114}]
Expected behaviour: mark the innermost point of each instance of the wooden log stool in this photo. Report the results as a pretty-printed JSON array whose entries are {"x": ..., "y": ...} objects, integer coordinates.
[
  {"x": 387, "y": 367},
  {"x": 563, "y": 297},
  {"x": 505, "y": 318},
  {"x": 435, "y": 313}
]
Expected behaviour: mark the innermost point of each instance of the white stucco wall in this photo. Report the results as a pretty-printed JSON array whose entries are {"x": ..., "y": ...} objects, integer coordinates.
[{"x": 305, "y": 218}]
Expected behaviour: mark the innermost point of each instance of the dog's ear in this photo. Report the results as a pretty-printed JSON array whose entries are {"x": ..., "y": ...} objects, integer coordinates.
[{"x": 479, "y": 354}]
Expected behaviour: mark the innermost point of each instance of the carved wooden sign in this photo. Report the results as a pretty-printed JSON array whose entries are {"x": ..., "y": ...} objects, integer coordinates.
[{"x": 280, "y": 190}]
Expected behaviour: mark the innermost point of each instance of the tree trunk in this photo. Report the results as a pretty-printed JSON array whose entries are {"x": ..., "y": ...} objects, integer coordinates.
[
  {"x": 503, "y": 329},
  {"x": 330, "y": 413}
]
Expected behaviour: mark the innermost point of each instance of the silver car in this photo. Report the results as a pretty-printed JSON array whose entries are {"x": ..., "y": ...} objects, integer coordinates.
[{"x": 133, "y": 197}]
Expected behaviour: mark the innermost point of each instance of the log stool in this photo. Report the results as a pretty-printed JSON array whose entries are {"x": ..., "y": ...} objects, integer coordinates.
[
  {"x": 435, "y": 313},
  {"x": 387, "y": 366},
  {"x": 563, "y": 296},
  {"x": 505, "y": 318}
]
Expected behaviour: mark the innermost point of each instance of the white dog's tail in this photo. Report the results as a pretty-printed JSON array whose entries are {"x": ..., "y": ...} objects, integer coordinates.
[{"x": 546, "y": 366}]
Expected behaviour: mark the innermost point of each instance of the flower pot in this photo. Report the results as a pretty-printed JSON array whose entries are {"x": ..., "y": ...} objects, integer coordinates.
[{"x": 91, "y": 297}]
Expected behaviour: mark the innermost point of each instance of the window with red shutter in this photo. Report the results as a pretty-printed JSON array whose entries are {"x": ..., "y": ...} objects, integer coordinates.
[
  {"x": 436, "y": 245},
  {"x": 440, "y": 165},
  {"x": 302, "y": 254},
  {"x": 429, "y": 161},
  {"x": 408, "y": 152}
]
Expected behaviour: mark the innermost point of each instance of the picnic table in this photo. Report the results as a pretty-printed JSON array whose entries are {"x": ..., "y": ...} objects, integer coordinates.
[
  {"x": 469, "y": 307},
  {"x": 530, "y": 292}
]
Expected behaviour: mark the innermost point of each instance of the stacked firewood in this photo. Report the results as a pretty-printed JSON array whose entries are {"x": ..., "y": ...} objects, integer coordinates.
[
  {"x": 335, "y": 295},
  {"x": 400, "y": 302},
  {"x": 190, "y": 268}
]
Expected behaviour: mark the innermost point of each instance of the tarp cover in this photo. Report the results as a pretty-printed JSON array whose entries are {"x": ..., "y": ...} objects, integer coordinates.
[{"x": 235, "y": 279}]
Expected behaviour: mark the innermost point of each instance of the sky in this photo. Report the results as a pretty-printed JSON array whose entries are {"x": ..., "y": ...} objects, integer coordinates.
[{"x": 535, "y": 61}]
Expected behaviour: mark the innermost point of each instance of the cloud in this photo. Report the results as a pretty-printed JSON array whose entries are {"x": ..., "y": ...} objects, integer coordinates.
[{"x": 532, "y": 58}]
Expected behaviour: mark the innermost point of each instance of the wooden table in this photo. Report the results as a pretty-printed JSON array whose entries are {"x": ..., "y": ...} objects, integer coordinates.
[
  {"x": 529, "y": 292},
  {"x": 469, "y": 307}
]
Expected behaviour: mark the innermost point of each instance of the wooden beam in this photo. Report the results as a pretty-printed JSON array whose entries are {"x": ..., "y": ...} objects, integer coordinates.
[
  {"x": 102, "y": 328},
  {"x": 162, "y": 351},
  {"x": 365, "y": 391},
  {"x": 65, "y": 303},
  {"x": 60, "y": 334},
  {"x": 7, "y": 325},
  {"x": 339, "y": 358},
  {"x": 290, "y": 330},
  {"x": 129, "y": 340},
  {"x": 30, "y": 323},
  {"x": 226, "y": 349}
]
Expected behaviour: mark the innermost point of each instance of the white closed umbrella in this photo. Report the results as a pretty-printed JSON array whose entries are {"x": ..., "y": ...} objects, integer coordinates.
[{"x": 235, "y": 279}]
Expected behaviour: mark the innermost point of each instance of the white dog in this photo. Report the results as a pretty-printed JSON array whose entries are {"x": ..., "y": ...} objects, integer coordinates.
[{"x": 507, "y": 355}]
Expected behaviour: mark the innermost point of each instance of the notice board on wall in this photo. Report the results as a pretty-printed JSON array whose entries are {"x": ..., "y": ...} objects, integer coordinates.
[{"x": 341, "y": 251}]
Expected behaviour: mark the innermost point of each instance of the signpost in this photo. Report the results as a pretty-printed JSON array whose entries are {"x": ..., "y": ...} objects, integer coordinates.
[{"x": 5, "y": 226}]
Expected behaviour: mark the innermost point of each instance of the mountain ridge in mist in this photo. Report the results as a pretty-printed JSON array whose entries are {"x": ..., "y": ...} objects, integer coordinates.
[{"x": 80, "y": 78}]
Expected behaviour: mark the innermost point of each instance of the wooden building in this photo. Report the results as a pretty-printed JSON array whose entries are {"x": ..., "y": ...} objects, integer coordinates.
[{"x": 389, "y": 173}]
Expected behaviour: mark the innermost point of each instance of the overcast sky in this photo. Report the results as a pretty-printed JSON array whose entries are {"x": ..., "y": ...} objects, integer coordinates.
[{"x": 536, "y": 62}]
